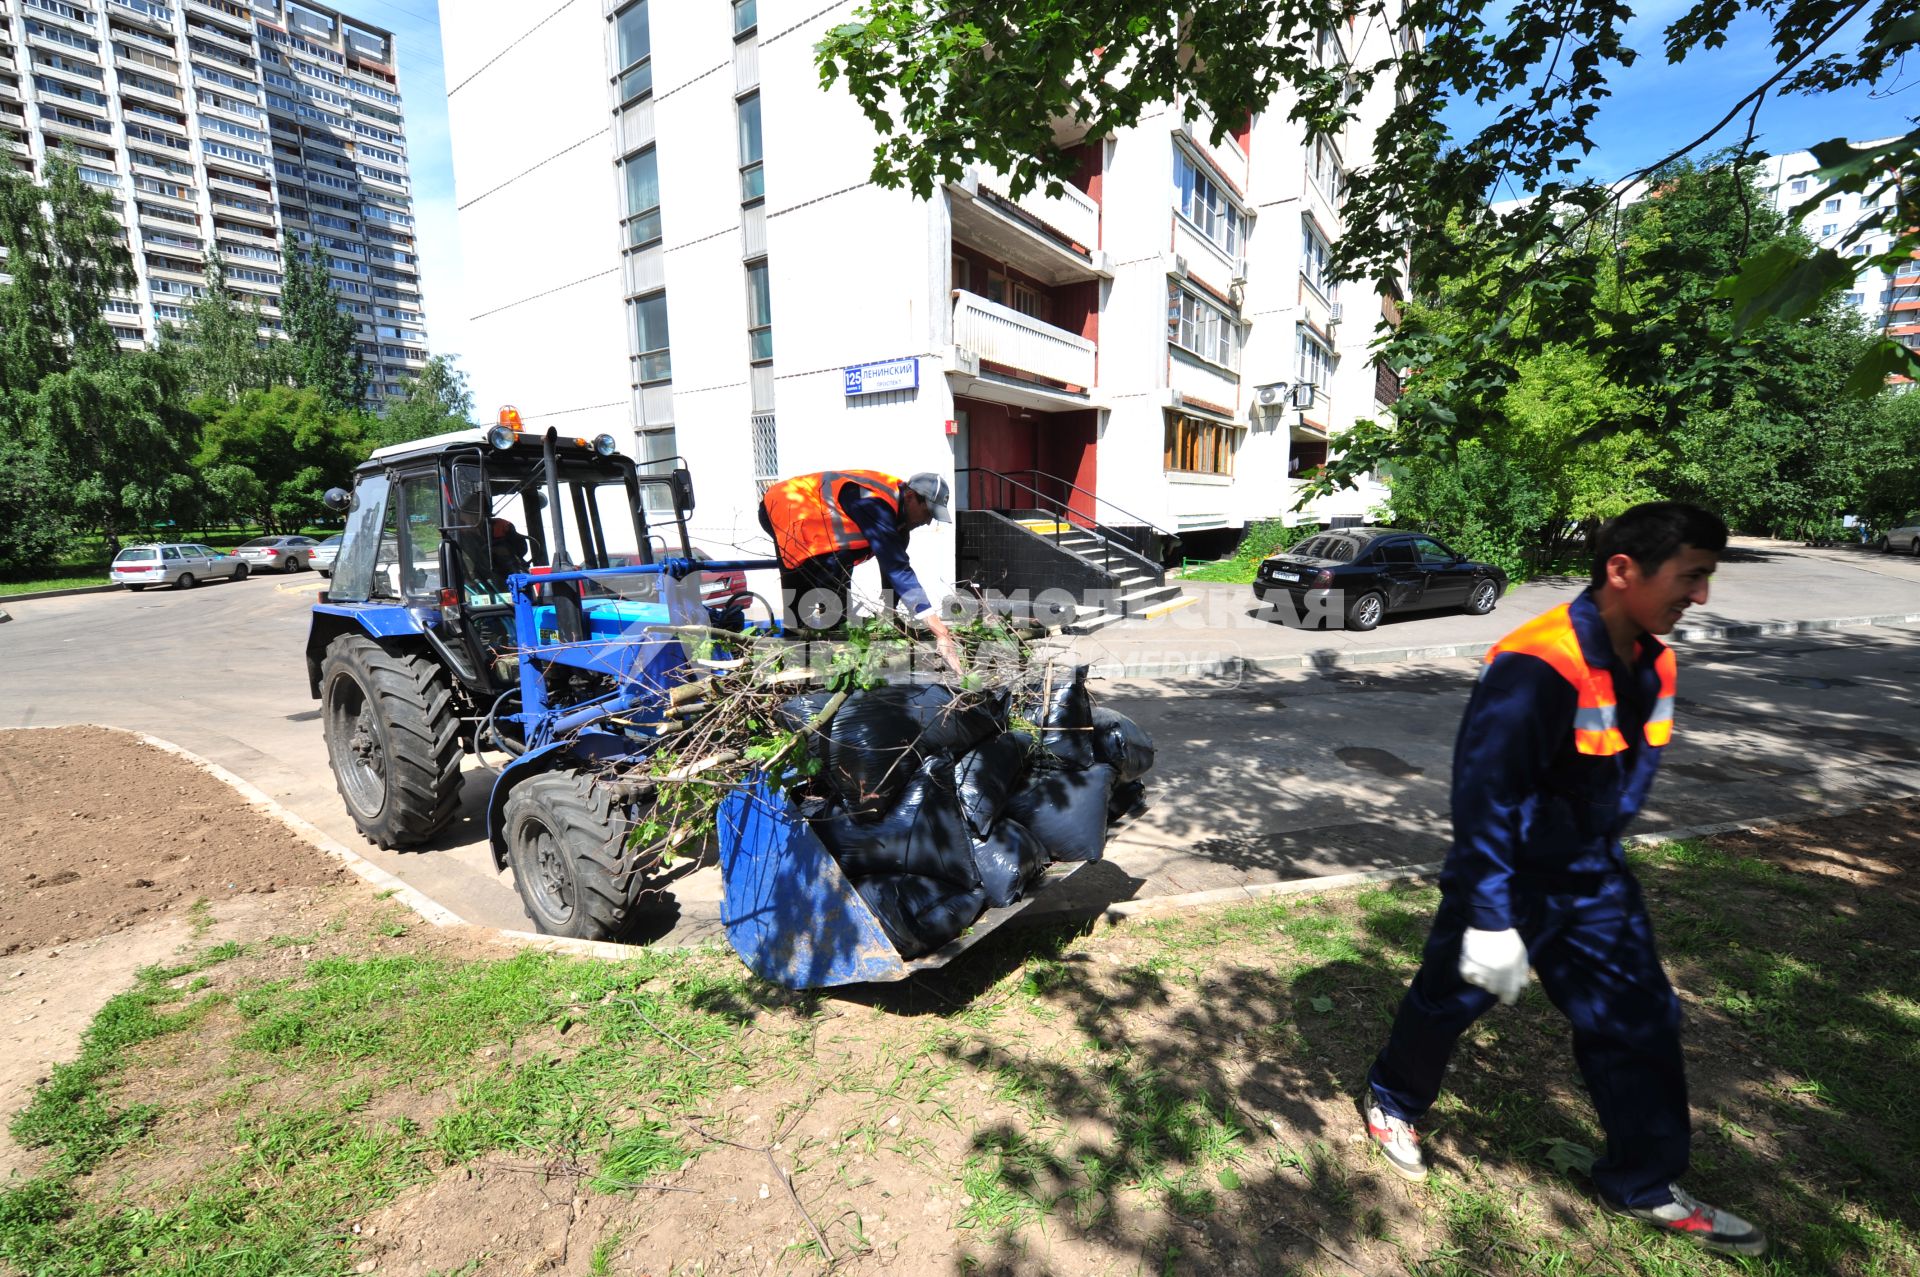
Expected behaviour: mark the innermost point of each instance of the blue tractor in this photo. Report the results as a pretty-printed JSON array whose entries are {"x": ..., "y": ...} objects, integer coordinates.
[{"x": 506, "y": 590}]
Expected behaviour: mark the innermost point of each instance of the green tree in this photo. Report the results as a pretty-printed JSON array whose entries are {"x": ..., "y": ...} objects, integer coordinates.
[
  {"x": 101, "y": 437},
  {"x": 322, "y": 354},
  {"x": 276, "y": 451},
  {"x": 950, "y": 85},
  {"x": 219, "y": 345},
  {"x": 436, "y": 401}
]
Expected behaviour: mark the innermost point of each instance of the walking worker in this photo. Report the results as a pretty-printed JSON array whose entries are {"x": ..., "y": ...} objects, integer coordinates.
[
  {"x": 1556, "y": 753},
  {"x": 825, "y": 524}
]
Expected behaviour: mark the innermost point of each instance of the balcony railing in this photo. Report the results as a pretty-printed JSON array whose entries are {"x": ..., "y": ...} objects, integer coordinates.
[
  {"x": 1002, "y": 335},
  {"x": 1070, "y": 215},
  {"x": 1386, "y": 384}
]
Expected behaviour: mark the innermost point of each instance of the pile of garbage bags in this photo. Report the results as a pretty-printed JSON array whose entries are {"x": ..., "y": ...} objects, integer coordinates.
[{"x": 937, "y": 811}]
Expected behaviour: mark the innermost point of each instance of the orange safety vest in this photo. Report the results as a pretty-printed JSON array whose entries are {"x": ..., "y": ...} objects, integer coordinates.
[
  {"x": 1596, "y": 728},
  {"x": 806, "y": 515}
]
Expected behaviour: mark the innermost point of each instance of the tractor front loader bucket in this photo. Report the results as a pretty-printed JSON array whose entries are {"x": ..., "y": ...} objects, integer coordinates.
[{"x": 794, "y": 916}]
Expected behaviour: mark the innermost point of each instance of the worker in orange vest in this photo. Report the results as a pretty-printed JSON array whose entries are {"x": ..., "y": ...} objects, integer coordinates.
[
  {"x": 826, "y": 523},
  {"x": 1558, "y": 748}
]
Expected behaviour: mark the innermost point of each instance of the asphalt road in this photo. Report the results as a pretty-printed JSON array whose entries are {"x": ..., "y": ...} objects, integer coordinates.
[{"x": 1261, "y": 779}]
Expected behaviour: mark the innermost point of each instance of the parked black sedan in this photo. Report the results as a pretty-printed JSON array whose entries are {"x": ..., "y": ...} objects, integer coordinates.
[{"x": 1361, "y": 574}]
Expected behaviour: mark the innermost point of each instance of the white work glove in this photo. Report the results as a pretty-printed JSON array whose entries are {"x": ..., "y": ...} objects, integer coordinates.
[{"x": 1496, "y": 961}]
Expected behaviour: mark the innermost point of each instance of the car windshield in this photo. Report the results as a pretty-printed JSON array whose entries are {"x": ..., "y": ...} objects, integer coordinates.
[
  {"x": 132, "y": 553},
  {"x": 335, "y": 539},
  {"x": 1337, "y": 549},
  {"x": 258, "y": 542}
]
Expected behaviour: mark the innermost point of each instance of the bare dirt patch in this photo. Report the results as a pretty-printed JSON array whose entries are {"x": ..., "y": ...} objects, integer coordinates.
[{"x": 105, "y": 832}]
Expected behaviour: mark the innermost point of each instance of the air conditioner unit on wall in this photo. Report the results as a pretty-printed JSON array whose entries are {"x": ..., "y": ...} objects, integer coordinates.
[
  {"x": 1271, "y": 395},
  {"x": 1303, "y": 394},
  {"x": 1334, "y": 312}
]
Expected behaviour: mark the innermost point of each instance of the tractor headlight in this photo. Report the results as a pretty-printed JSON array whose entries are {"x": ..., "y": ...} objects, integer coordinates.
[
  {"x": 603, "y": 444},
  {"x": 502, "y": 437}
]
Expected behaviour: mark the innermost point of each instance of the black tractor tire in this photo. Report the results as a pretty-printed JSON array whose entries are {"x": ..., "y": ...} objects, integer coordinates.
[
  {"x": 393, "y": 740},
  {"x": 1481, "y": 598},
  {"x": 240, "y": 572},
  {"x": 566, "y": 840},
  {"x": 1365, "y": 612}
]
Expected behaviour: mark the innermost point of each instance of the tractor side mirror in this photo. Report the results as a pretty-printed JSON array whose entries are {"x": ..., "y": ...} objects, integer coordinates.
[
  {"x": 683, "y": 489},
  {"x": 337, "y": 500}
]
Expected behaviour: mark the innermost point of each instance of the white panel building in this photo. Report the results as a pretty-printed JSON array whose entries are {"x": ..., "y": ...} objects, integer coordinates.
[
  {"x": 1155, "y": 346},
  {"x": 1889, "y": 303}
]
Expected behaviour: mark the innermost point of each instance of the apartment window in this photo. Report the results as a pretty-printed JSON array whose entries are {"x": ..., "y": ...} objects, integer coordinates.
[
  {"x": 1831, "y": 206},
  {"x": 1195, "y": 446},
  {"x": 1324, "y": 168},
  {"x": 746, "y": 16},
  {"x": 1313, "y": 260},
  {"x": 759, "y": 313},
  {"x": 1201, "y": 327},
  {"x": 753, "y": 181},
  {"x": 1799, "y": 186},
  {"x": 1201, "y": 201},
  {"x": 635, "y": 50},
  {"x": 1315, "y": 359},
  {"x": 650, "y": 338},
  {"x": 766, "y": 452},
  {"x": 642, "y": 172},
  {"x": 1856, "y": 299},
  {"x": 1017, "y": 295},
  {"x": 1827, "y": 229},
  {"x": 1858, "y": 250}
]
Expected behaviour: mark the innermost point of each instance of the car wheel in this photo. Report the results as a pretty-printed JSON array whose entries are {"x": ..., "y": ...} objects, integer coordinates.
[
  {"x": 326, "y": 574},
  {"x": 1485, "y": 594},
  {"x": 240, "y": 571},
  {"x": 1366, "y": 612},
  {"x": 567, "y": 844},
  {"x": 186, "y": 582},
  {"x": 292, "y": 564},
  {"x": 136, "y": 588},
  {"x": 1883, "y": 545}
]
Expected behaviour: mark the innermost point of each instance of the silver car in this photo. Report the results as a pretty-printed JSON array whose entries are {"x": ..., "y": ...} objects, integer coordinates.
[
  {"x": 180, "y": 563},
  {"x": 325, "y": 553},
  {"x": 1904, "y": 539},
  {"x": 279, "y": 554}
]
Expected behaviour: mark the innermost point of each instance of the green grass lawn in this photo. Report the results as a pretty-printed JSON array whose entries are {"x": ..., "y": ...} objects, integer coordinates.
[
  {"x": 1261, "y": 540},
  {"x": 87, "y": 563},
  {"x": 1174, "y": 1095}
]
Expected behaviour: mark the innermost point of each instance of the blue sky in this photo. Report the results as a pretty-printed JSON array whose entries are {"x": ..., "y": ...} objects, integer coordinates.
[{"x": 1655, "y": 107}]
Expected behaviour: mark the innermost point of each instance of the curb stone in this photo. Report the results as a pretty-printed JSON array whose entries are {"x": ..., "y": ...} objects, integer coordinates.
[
  {"x": 61, "y": 594},
  {"x": 5, "y": 616},
  {"x": 1240, "y": 666}
]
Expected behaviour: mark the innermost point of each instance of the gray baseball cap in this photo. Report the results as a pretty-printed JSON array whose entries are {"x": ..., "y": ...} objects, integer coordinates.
[{"x": 934, "y": 489}]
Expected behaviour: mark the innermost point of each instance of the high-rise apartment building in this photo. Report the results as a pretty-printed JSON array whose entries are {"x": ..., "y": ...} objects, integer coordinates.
[
  {"x": 1888, "y": 301},
  {"x": 223, "y": 126},
  {"x": 1156, "y": 345}
]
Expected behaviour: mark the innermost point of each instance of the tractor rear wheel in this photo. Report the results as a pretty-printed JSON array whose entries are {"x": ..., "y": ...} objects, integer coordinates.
[
  {"x": 393, "y": 740},
  {"x": 566, "y": 839}
]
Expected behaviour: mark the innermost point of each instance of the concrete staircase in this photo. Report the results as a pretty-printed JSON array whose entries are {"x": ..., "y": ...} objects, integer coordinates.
[{"x": 1135, "y": 587}]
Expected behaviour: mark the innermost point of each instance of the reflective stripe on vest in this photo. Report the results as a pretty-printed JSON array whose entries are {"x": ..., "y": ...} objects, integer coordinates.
[
  {"x": 1550, "y": 637},
  {"x": 806, "y": 515}
]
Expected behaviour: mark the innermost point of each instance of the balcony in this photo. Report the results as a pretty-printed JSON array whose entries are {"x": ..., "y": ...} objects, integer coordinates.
[
  {"x": 1050, "y": 237},
  {"x": 994, "y": 334}
]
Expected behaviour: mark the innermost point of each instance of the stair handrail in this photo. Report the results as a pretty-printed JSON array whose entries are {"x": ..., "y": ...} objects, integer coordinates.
[
  {"x": 1064, "y": 509},
  {"x": 1128, "y": 515}
]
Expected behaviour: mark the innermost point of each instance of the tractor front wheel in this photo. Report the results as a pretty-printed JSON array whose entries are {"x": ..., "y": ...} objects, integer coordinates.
[
  {"x": 393, "y": 740},
  {"x": 566, "y": 839}
]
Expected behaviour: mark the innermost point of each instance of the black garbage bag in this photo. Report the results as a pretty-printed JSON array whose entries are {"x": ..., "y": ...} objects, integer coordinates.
[
  {"x": 919, "y": 914},
  {"x": 986, "y": 778},
  {"x": 1126, "y": 799},
  {"x": 1066, "y": 810},
  {"x": 1066, "y": 721},
  {"x": 872, "y": 750},
  {"x": 1009, "y": 859},
  {"x": 1122, "y": 743},
  {"x": 925, "y": 833},
  {"x": 950, "y": 722}
]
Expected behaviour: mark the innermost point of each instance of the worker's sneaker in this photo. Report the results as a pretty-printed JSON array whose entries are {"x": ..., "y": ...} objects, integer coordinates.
[
  {"x": 1709, "y": 1226},
  {"x": 1398, "y": 1140}
]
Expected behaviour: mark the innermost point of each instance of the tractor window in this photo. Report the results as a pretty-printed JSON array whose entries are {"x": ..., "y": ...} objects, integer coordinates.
[
  {"x": 419, "y": 572},
  {"x": 355, "y": 579}
]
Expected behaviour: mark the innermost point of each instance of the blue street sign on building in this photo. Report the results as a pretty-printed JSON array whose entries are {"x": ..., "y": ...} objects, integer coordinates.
[{"x": 889, "y": 374}]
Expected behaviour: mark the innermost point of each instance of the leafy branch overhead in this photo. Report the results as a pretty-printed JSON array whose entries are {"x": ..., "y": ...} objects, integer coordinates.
[{"x": 1014, "y": 84}]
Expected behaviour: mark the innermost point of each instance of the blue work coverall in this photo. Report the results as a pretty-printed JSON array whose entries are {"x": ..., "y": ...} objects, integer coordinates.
[{"x": 1536, "y": 847}]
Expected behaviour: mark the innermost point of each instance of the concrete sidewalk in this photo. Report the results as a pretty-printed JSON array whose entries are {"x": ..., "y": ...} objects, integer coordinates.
[{"x": 1763, "y": 587}]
